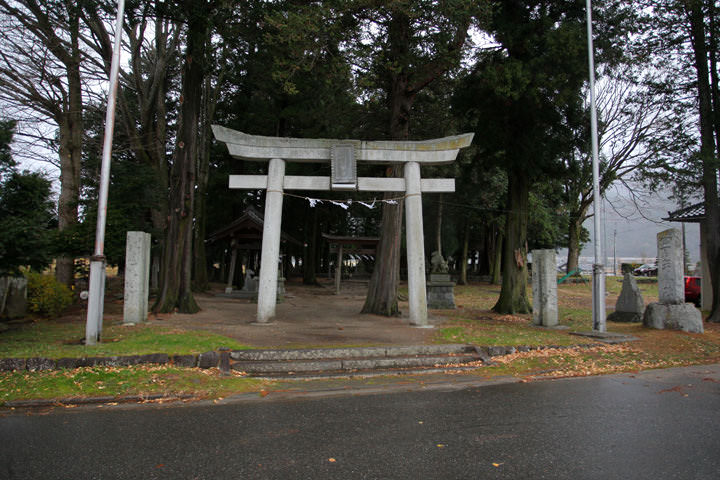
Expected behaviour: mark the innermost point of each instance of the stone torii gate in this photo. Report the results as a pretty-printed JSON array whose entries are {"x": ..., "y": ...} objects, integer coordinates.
[{"x": 343, "y": 156}]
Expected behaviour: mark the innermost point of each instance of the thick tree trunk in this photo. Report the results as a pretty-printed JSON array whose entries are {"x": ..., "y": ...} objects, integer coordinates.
[
  {"x": 176, "y": 273},
  {"x": 382, "y": 290},
  {"x": 464, "y": 257},
  {"x": 311, "y": 251},
  {"x": 438, "y": 230},
  {"x": 575, "y": 224},
  {"x": 200, "y": 275},
  {"x": 513, "y": 294},
  {"x": 496, "y": 275},
  {"x": 707, "y": 155},
  {"x": 71, "y": 132}
]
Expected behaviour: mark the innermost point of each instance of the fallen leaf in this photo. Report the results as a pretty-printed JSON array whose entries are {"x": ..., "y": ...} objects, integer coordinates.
[
  {"x": 497, "y": 464},
  {"x": 331, "y": 460},
  {"x": 440, "y": 445},
  {"x": 264, "y": 393}
]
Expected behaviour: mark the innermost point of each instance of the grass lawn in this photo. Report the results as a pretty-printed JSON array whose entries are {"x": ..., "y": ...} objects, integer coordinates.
[
  {"x": 112, "y": 381},
  {"x": 57, "y": 339},
  {"x": 474, "y": 322}
]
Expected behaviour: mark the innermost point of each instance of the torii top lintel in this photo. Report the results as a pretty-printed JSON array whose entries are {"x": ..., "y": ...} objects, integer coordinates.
[{"x": 260, "y": 148}]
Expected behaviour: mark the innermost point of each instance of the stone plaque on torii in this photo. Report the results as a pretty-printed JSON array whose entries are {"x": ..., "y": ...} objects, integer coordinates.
[{"x": 344, "y": 156}]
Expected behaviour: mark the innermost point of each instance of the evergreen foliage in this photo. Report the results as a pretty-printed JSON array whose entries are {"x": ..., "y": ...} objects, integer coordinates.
[{"x": 27, "y": 218}]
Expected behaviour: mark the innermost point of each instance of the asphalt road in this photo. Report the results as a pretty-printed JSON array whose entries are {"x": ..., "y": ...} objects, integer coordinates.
[{"x": 654, "y": 425}]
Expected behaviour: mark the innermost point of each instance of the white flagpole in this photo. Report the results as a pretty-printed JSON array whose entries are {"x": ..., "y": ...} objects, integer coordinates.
[
  {"x": 93, "y": 326},
  {"x": 598, "y": 315}
]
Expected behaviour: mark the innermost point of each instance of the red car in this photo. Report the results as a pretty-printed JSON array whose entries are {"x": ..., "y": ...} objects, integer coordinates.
[{"x": 692, "y": 290}]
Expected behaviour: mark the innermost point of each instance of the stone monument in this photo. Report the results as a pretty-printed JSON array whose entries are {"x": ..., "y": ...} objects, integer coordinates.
[
  {"x": 630, "y": 305},
  {"x": 440, "y": 289},
  {"x": 671, "y": 311},
  {"x": 137, "y": 277},
  {"x": 544, "y": 288},
  {"x": 13, "y": 297}
]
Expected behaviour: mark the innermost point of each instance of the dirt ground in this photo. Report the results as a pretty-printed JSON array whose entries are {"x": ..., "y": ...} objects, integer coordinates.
[{"x": 310, "y": 316}]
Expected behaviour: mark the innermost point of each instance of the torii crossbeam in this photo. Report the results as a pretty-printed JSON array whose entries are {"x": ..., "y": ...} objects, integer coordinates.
[{"x": 343, "y": 156}]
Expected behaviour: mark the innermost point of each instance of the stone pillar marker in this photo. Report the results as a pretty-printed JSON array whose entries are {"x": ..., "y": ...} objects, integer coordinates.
[
  {"x": 671, "y": 289},
  {"x": 671, "y": 312},
  {"x": 544, "y": 288},
  {"x": 137, "y": 277}
]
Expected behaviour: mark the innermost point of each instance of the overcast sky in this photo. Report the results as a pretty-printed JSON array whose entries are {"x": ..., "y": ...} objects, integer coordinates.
[{"x": 638, "y": 226}]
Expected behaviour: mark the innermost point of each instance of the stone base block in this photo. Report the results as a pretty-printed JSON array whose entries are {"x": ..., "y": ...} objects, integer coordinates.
[
  {"x": 441, "y": 295},
  {"x": 683, "y": 316},
  {"x": 625, "y": 317}
]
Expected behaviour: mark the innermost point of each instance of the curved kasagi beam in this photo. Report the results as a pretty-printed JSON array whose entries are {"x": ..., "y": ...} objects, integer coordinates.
[{"x": 260, "y": 148}]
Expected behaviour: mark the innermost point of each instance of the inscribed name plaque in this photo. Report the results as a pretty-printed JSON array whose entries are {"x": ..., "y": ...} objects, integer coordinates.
[{"x": 344, "y": 167}]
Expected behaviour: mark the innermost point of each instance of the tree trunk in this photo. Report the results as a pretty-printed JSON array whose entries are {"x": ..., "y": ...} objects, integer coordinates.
[
  {"x": 438, "y": 230},
  {"x": 71, "y": 132},
  {"x": 200, "y": 276},
  {"x": 496, "y": 275},
  {"x": 513, "y": 294},
  {"x": 176, "y": 274},
  {"x": 311, "y": 251},
  {"x": 382, "y": 290},
  {"x": 464, "y": 257},
  {"x": 707, "y": 155},
  {"x": 575, "y": 224}
]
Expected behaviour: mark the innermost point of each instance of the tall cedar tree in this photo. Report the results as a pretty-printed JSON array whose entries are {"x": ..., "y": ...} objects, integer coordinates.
[
  {"x": 176, "y": 269},
  {"x": 519, "y": 97},
  {"x": 419, "y": 46}
]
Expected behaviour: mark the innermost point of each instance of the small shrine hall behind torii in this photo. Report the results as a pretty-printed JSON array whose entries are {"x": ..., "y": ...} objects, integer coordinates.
[{"x": 343, "y": 156}]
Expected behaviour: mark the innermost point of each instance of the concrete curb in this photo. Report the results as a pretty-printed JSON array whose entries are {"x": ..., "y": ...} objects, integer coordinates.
[{"x": 54, "y": 402}]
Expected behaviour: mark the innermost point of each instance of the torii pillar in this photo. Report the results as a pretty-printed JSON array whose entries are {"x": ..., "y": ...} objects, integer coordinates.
[{"x": 343, "y": 156}]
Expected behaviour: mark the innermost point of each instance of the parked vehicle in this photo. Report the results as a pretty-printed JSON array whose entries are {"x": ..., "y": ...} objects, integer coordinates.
[
  {"x": 692, "y": 290},
  {"x": 646, "y": 270}
]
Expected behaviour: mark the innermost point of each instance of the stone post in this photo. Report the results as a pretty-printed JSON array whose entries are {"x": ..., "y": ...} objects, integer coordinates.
[
  {"x": 671, "y": 289},
  {"x": 544, "y": 288},
  {"x": 272, "y": 223},
  {"x": 671, "y": 312},
  {"x": 417, "y": 295},
  {"x": 137, "y": 277}
]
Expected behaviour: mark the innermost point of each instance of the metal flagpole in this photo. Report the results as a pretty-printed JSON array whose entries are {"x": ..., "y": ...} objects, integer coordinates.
[
  {"x": 598, "y": 267},
  {"x": 93, "y": 326}
]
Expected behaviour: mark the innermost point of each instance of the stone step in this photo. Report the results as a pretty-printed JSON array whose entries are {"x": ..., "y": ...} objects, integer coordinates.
[
  {"x": 339, "y": 365},
  {"x": 350, "y": 352}
]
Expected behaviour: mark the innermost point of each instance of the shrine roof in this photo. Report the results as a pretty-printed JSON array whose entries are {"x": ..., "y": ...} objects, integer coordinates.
[
  {"x": 690, "y": 214},
  {"x": 252, "y": 223}
]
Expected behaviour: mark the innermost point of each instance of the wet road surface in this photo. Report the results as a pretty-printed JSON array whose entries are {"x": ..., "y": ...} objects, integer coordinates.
[{"x": 653, "y": 425}]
